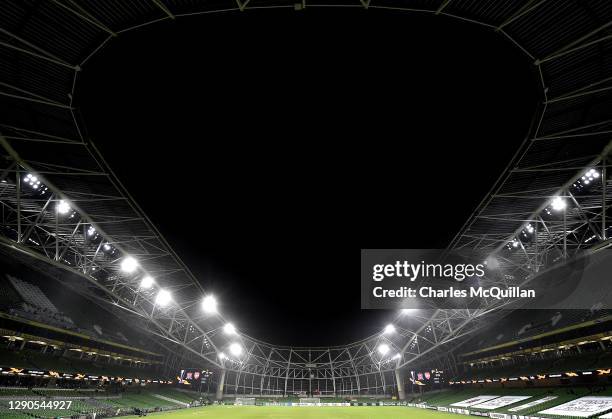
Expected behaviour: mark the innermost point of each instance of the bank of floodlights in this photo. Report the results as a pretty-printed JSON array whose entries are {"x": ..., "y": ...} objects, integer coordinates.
[
  {"x": 588, "y": 178},
  {"x": 492, "y": 263},
  {"x": 147, "y": 282},
  {"x": 383, "y": 349},
  {"x": 389, "y": 329},
  {"x": 163, "y": 298},
  {"x": 229, "y": 329},
  {"x": 129, "y": 265},
  {"x": 63, "y": 207},
  {"x": 32, "y": 180},
  {"x": 209, "y": 304},
  {"x": 558, "y": 204},
  {"x": 235, "y": 349}
]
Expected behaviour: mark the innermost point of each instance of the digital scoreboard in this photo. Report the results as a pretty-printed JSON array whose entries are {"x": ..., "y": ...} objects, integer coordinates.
[
  {"x": 195, "y": 377},
  {"x": 431, "y": 378}
]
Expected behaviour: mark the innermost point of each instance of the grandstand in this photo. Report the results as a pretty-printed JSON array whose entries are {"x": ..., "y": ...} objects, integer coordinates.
[{"x": 152, "y": 338}]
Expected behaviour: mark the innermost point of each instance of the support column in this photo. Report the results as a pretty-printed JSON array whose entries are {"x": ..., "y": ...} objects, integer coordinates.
[
  {"x": 399, "y": 381},
  {"x": 221, "y": 385}
]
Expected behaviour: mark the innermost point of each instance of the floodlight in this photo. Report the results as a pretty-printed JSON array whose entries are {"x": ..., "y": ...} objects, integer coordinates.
[
  {"x": 397, "y": 356},
  {"x": 406, "y": 311},
  {"x": 383, "y": 349},
  {"x": 163, "y": 298},
  {"x": 106, "y": 247},
  {"x": 492, "y": 262},
  {"x": 63, "y": 207},
  {"x": 389, "y": 329},
  {"x": 558, "y": 204},
  {"x": 222, "y": 356},
  {"x": 91, "y": 231},
  {"x": 515, "y": 243},
  {"x": 229, "y": 329},
  {"x": 209, "y": 304},
  {"x": 235, "y": 349},
  {"x": 129, "y": 265},
  {"x": 147, "y": 282},
  {"x": 32, "y": 180}
]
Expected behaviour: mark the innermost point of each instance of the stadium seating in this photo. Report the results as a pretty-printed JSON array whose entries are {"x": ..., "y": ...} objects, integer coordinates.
[
  {"x": 87, "y": 401},
  {"x": 15, "y": 392},
  {"x": 6, "y": 413},
  {"x": 446, "y": 398},
  {"x": 11, "y": 358},
  {"x": 32, "y": 295},
  {"x": 177, "y": 395},
  {"x": 30, "y": 359}
]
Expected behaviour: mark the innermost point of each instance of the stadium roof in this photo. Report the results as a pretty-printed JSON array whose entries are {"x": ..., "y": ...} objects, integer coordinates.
[{"x": 45, "y": 45}]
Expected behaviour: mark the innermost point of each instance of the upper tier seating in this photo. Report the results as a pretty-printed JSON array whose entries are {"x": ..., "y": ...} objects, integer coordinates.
[{"x": 32, "y": 294}]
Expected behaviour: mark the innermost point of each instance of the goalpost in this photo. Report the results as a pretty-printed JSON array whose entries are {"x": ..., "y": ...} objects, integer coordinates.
[
  {"x": 310, "y": 400},
  {"x": 245, "y": 401}
]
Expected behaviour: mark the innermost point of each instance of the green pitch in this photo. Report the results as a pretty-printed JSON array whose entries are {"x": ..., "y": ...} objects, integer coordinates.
[{"x": 284, "y": 412}]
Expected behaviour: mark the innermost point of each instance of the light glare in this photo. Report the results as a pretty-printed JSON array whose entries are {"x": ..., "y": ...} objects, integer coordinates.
[
  {"x": 558, "y": 204},
  {"x": 492, "y": 262},
  {"x": 163, "y": 298},
  {"x": 63, "y": 207},
  {"x": 129, "y": 265},
  {"x": 389, "y": 329},
  {"x": 235, "y": 349},
  {"x": 147, "y": 282},
  {"x": 209, "y": 304},
  {"x": 229, "y": 329},
  {"x": 383, "y": 349}
]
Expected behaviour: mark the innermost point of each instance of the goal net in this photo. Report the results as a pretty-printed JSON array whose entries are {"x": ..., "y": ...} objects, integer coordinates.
[
  {"x": 310, "y": 400},
  {"x": 245, "y": 401}
]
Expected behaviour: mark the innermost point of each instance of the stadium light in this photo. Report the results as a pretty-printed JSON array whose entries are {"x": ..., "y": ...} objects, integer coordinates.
[
  {"x": 63, "y": 207},
  {"x": 492, "y": 262},
  {"x": 32, "y": 180},
  {"x": 397, "y": 356},
  {"x": 91, "y": 231},
  {"x": 147, "y": 282},
  {"x": 229, "y": 329},
  {"x": 129, "y": 264},
  {"x": 406, "y": 311},
  {"x": 222, "y": 356},
  {"x": 383, "y": 349},
  {"x": 209, "y": 304},
  {"x": 558, "y": 204},
  {"x": 163, "y": 298},
  {"x": 235, "y": 349},
  {"x": 389, "y": 329}
]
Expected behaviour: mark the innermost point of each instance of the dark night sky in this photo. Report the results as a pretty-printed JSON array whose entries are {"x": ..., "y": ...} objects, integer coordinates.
[{"x": 269, "y": 147}]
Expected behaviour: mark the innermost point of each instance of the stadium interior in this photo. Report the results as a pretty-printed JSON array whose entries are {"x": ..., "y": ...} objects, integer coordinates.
[{"x": 153, "y": 340}]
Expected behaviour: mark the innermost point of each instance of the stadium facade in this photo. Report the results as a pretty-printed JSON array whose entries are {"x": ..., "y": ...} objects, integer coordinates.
[{"x": 65, "y": 213}]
